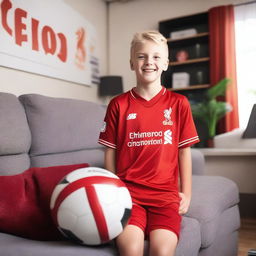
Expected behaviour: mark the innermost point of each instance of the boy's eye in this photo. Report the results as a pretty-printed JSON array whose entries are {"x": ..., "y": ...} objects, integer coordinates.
[
  {"x": 157, "y": 57},
  {"x": 141, "y": 57}
]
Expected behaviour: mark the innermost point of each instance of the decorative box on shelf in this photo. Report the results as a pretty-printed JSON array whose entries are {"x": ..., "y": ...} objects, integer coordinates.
[
  {"x": 183, "y": 33},
  {"x": 180, "y": 80},
  {"x": 181, "y": 56}
]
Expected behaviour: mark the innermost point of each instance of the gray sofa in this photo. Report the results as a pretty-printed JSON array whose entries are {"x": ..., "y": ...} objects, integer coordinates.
[{"x": 43, "y": 131}]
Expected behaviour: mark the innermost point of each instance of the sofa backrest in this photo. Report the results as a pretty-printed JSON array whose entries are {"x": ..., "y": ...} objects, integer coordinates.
[
  {"x": 40, "y": 131},
  {"x": 15, "y": 136},
  {"x": 64, "y": 131}
]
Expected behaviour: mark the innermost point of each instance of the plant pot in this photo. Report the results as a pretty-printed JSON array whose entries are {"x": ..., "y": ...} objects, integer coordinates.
[{"x": 210, "y": 143}]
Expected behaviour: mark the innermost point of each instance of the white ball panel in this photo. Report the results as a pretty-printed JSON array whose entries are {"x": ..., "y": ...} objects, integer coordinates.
[
  {"x": 66, "y": 218},
  {"x": 86, "y": 229},
  {"x": 77, "y": 202},
  {"x": 107, "y": 193},
  {"x": 124, "y": 197},
  {"x": 89, "y": 172},
  {"x": 113, "y": 215},
  {"x": 115, "y": 229}
]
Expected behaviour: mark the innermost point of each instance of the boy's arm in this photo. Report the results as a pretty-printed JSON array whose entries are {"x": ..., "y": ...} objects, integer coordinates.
[
  {"x": 185, "y": 167},
  {"x": 110, "y": 159}
]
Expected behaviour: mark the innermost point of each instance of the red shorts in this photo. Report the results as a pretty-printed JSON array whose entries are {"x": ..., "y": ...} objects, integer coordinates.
[{"x": 149, "y": 218}]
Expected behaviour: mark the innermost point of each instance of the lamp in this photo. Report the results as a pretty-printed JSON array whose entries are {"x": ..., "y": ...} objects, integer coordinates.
[
  {"x": 250, "y": 131},
  {"x": 110, "y": 85}
]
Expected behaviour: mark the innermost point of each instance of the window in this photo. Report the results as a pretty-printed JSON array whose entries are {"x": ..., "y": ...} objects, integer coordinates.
[{"x": 245, "y": 32}]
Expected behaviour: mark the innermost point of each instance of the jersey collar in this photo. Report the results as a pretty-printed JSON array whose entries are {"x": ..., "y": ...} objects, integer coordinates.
[{"x": 147, "y": 103}]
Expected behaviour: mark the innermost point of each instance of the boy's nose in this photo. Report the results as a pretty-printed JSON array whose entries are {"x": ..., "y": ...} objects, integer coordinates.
[{"x": 149, "y": 61}]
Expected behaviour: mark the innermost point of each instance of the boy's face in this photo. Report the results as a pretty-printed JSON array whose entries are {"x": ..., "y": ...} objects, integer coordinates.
[{"x": 149, "y": 60}]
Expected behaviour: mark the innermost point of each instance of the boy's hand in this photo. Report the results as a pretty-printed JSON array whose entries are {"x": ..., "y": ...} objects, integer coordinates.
[{"x": 184, "y": 203}]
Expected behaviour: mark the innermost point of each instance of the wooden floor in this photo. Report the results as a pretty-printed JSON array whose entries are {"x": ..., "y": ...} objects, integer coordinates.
[{"x": 247, "y": 236}]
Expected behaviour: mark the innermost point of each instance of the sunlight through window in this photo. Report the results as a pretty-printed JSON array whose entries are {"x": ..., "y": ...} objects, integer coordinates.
[{"x": 245, "y": 30}]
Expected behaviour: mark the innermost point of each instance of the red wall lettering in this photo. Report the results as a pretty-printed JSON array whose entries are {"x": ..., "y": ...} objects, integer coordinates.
[
  {"x": 6, "y": 5},
  {"x": 46, "y": 36},
  {"x": 34, "y": 28},
  {"x": 48, "y": 45},
  {"x": 19, "y": 26},
  {"x": 63, "y": 50}
]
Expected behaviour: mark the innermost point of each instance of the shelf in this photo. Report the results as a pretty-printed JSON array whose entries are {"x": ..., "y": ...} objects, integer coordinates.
[
  {"x": 176, "y": 63},
  {"x": 169, "y": 40},
  {"x": 197, "y": 63},
  {"x": 191, "y": 87}
]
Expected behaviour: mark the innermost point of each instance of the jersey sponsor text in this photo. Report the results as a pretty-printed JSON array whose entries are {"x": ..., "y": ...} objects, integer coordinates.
[
  {"x": 163, "y": 138},
  {"x": 136, "y": 135}
]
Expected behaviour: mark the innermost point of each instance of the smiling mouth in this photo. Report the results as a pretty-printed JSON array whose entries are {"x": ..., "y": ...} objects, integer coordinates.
[{"x": 148, "y": 70}]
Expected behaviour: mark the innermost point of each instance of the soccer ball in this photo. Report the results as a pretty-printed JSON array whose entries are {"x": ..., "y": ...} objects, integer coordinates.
[{"x": 91, "y": 206}]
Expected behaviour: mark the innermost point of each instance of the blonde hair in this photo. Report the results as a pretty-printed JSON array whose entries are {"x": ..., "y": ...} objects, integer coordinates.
[{"x": 151, "y": 35}]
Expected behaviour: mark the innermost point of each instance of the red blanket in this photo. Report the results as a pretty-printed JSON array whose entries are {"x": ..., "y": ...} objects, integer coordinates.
[{"x": 25, "y": 202}]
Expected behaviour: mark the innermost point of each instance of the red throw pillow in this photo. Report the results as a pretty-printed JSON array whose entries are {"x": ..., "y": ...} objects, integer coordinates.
[{"x": 25, "y": 202}]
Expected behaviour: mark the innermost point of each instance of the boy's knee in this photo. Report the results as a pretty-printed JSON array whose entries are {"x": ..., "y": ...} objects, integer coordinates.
[
  {"x": 163, "y": 243},
  {"x": 162, "y": 250},
  {"x": 134, "y": 249}
]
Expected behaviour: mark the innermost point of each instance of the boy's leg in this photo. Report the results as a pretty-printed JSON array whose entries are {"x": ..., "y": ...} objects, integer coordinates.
[
  {"x": 131, "y": 241},
  {"x": 163, "y": 242},
  {"x": 163, "y": 229}
]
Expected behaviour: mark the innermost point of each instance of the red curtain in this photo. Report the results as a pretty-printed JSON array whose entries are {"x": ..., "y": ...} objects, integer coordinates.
[{"x": 222, "y": 60}]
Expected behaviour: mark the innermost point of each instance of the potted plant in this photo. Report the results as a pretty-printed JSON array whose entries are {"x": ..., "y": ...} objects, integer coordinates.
[{"x": 210, "y": 110}]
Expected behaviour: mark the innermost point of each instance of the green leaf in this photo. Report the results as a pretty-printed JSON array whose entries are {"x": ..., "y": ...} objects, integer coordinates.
[
  {"x": 210, "y": 110},
  {"x": 218, "y": 90}
]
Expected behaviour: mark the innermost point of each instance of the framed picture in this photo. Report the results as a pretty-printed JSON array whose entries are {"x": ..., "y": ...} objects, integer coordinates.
[{"x": 38, "y": 37}]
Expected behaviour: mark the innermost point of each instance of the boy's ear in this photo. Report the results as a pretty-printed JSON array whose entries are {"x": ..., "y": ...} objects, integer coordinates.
[
  {"x": 131, "y": 65},
  {"x": 166, "y": 65}
]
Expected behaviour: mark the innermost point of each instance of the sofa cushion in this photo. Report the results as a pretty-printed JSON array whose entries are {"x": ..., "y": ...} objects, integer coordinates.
[
  {"x": 25, "y": 202},
  {"x": 14, "y": 164},
  {"x": 227, "y": 234},
  {"x": 15, "y": 139},
  {"x": 95, "y": 158},
  {"x": 198, "y": 162},
  {"x": 211, "y": 196},
  {"x": 190, "y": 239},
  {"x": 13, "y": 246},
  {"x": 62, "y": 125}
]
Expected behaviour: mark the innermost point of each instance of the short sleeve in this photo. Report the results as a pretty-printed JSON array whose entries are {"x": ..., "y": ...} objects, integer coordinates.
[
  {"x": 188, "y": 133},
  {"x": 108, "y": 133}
]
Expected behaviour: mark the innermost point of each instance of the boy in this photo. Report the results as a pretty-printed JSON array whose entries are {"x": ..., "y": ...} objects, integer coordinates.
[{"x": 148, "y": 132}]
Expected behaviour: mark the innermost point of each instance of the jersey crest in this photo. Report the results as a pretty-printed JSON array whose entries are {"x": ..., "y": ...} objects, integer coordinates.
[{"x": 167, "y": 116}]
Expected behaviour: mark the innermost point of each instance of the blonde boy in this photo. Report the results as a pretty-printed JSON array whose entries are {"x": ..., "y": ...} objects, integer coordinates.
[{"x": 148, "y": 132}]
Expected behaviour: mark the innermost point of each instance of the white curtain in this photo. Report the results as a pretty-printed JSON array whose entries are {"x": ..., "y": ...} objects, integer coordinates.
[{"x": 245, "y": 31}]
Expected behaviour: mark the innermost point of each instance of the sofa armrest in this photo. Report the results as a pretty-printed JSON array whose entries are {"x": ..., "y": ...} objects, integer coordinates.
[
  {"x": 198, "y": 162},
  {"x": 214, "y": 198}
]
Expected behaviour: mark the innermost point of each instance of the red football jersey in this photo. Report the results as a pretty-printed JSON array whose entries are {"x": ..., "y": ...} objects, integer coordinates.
[{"x": 147, "y": 136}]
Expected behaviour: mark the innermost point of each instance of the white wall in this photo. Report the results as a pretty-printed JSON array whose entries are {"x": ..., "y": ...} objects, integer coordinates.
[
  {"x": 235, "y": 167},
  {"x": 19, "y": 82},
  {"x": 126, "y": 18},
  {"x": 138, "y": 15}
]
